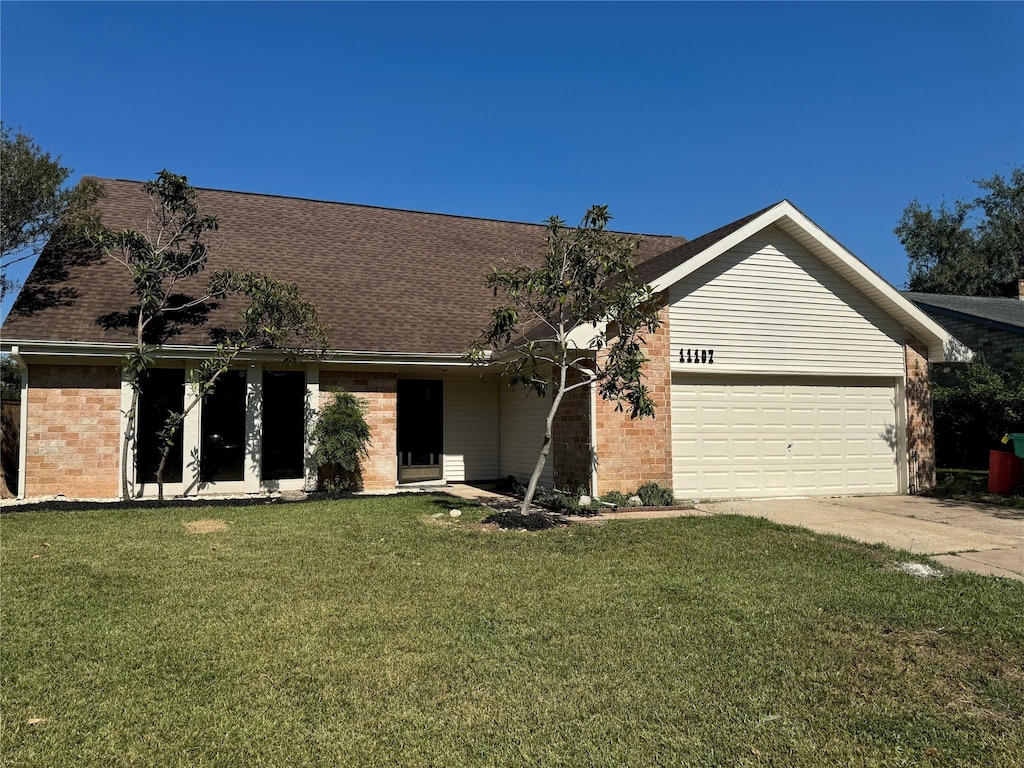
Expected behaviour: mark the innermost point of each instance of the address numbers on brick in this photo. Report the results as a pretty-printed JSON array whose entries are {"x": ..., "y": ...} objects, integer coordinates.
[{"x": 698, "y": 356}]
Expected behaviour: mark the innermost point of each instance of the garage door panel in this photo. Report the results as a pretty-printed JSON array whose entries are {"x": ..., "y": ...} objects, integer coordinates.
[
  {"x": 805, "y": 479},
  {"x": 805, "y": 450},
  {"x": 747, "y": 481},
  {"x": 685, "y": 449},
  {"x": 745, "y": 418},
  {"x": 716, "y": 450},
  {"x": 745, "y": 450},
  {"x": 776, "y": 437}
]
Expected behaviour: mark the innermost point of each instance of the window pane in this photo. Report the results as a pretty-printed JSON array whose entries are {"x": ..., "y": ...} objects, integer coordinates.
[
  {"x": 163, "y": 392},
  {"x": 223, "y": 443},
  {"x": 284, "y": 429}
]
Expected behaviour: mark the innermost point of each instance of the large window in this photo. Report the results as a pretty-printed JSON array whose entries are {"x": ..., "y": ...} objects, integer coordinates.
[
  {"x": 163, "y": 392},
  {"x": 284, "y": 424},
  {"x": 222, "y": 453}
]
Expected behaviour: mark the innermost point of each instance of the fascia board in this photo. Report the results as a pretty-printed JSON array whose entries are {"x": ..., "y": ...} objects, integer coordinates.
[
  {"x": 582, "y": 336},
  {"x": 31, "y": 348},
  {"x": 694, "y": 263}
]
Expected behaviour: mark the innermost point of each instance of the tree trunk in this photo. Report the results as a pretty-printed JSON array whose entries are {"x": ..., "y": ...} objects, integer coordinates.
[
  {"x": 160, "y": 475},
  {"x": 545, "y": 449},
  {"x": 129, "y": 432}
]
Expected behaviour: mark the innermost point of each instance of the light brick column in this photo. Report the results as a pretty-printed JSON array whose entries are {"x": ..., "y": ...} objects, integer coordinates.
[
  {"x": 73, "y": 431},
  {"x": 379, "y": 391},
  {"x": 631, "y": 452}
]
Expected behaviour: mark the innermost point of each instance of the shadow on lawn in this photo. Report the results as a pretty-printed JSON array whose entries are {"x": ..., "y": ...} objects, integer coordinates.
[
  {"x": 505, "y": 513},
  {"x": 83, "y": 506}
]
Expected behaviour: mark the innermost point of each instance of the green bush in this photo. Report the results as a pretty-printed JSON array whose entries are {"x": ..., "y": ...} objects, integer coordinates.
[
  {"x": 555, "y": 499},
  {"x": 974, "y": 410},
  {"x": 616, "y": 497},
  {"x": 653, "y": 495},
  {"x": 341, "y": 436}
]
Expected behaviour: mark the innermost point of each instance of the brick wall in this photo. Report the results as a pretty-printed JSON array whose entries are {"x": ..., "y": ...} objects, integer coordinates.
[
  {"x": 570, "y": 439},
  {"x": 920, "y": 424},
  {"x": 380, "y": 393},
  {"x": 996, "y": 345},
  {"x": 74, "y": 431},
  {"x": 631, "y": 452}
]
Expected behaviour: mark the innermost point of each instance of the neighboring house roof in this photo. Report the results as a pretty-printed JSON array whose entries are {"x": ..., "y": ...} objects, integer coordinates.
[
  {"x": 385, "y": 280},
  {"x": 998, "y": 312}
]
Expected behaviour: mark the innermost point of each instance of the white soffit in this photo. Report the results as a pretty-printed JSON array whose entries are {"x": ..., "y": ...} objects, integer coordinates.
[{"x": 796, "y": 225}]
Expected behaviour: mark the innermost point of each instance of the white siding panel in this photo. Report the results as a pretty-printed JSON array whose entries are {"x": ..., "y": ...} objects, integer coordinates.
[
  {"x": 783, "y": 436},
  {"x": 770, "y": 306},
  {"x": 470, "y": 428},
  {"x": 522, "y": 434}
]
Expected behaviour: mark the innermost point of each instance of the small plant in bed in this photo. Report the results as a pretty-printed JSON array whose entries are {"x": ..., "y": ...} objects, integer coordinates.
[{"x": 654, "y": 495}]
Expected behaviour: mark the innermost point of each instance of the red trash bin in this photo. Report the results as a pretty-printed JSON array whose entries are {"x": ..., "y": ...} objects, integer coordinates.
[{"x": 1005, "y": 472}]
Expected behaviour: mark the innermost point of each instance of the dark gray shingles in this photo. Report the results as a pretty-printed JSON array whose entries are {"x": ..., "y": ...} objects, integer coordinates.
[{"x": 1007, "y": 312}]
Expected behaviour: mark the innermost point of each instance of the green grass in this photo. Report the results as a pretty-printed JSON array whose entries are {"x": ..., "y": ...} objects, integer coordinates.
[
  {"x": 364, "y": 632},
  {"x": 970, "y": 485}
]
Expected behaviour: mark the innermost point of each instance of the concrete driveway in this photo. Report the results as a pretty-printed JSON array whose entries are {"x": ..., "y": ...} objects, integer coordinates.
[{"x": 982, "y": 538}]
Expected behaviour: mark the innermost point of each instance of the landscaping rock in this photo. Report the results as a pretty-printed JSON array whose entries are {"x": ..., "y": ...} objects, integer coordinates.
[
  {"x": 634, "y": 501},
  {"x": 455, "y": 513},
  {"x": 919, "y": 569},
  {"x": 585, "y": 501}
]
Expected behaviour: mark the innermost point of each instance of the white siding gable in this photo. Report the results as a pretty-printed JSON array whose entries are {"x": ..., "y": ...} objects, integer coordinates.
[{"x": 769, "y": 306}]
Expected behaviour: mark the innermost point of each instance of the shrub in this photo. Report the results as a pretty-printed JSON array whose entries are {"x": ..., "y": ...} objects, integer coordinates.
[
  {"x": 975, "y": 410},
  {"x": 555, "y": 499},
  {"x": 653, "y": 495},
  {"x": 341, "y": 436},
  {"x": 616, "y": 497}
]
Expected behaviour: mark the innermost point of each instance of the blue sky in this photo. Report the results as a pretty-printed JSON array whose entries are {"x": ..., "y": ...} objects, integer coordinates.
[{"x": 681, "y": 117}]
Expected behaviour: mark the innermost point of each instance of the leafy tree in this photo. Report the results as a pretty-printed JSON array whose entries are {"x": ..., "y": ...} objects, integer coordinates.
[
  {"x": 175, "y": 246},
  {"x": 10, "y": 376},
  {"x": 34, "y": 198},
  {"x": 974, "y": 410},
  {"x": 587, "y": 278},
  {"x": 971, "y": 249}
]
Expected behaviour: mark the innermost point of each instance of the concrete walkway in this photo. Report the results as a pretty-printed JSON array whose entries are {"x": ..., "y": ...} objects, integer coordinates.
[{"x": 982, "y": 538}]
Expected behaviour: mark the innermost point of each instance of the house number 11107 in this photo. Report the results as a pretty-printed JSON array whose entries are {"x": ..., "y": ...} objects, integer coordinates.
[{"x": 697, "y": 356}]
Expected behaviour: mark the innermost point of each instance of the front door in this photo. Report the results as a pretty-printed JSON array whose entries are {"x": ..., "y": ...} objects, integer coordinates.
[{"x": 420, "y": 429}]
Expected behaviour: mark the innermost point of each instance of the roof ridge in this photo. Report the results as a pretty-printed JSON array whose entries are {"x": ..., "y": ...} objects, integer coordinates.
[{"x": 377, "y": 207}]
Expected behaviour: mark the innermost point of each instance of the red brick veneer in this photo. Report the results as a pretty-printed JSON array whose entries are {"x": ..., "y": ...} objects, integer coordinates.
[
  {"x": 920, "y": 424},
  {"x": 631, "y": 452}
]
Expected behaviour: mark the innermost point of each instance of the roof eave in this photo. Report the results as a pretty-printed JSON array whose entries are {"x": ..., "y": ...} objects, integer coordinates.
[{"x": 81, "y": 349}]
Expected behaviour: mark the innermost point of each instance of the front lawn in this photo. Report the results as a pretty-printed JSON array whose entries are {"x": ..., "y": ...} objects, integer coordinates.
[{"x": 366, "y": 632}]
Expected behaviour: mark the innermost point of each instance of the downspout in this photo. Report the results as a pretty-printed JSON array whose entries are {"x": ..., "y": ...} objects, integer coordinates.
[
  {"x": 592, "y": 389},
  {"x": 22, "y": 422}
]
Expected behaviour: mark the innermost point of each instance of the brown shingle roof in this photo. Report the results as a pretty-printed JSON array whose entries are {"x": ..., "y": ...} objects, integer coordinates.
[
  {"x": 659, "y": 264},
  {"x": 385, "y": 280}
]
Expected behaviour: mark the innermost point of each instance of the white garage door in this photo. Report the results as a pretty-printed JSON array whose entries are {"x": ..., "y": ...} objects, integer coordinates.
[{"x": 745, "y": 437}]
